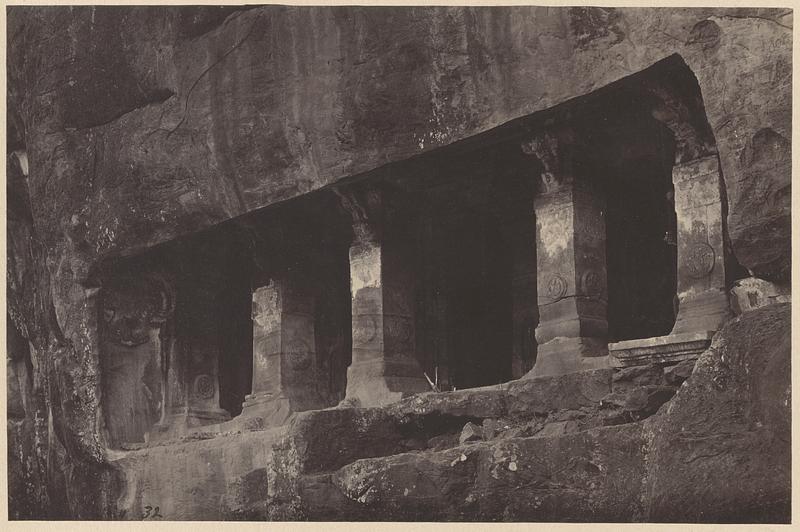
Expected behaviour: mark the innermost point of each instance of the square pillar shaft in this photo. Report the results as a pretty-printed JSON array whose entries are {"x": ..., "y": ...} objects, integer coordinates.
[
  {"x": 284, "y": 352},
  {"x": 203, "y": 352},
  {"x": 703, "y": 301},
  {"x": 571, "y": 280},
  {"x": 384, "y": 367}
]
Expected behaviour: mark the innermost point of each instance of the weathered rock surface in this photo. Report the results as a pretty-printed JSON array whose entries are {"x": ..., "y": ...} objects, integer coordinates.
[
  {"x": 549, "y": 458},
  {"x": 150, "y": 111},
  {"x": 627, "y": 378},
  {"x": 505, "y": 479},
  {"x": 752, "y": 293},
  {"x": 470, "y": 432},
  {"x": 515, "y": 480},
  {"x": 719, "y": 451},
  {"x": 211, "y": 479},
  {"x": 140, "y": 124},
  {"x": 678, "y": 373}
]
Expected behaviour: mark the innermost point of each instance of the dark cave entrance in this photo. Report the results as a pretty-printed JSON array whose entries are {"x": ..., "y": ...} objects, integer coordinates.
[
  {"x": 642, "y": 258},
  {"x": 479, "y": 296},
  {"x": 175, "y": 334},
  {"x": 475, "y": 291},
  {"x": 629, "y": 155},
  {"x": 475, "y": 263}
]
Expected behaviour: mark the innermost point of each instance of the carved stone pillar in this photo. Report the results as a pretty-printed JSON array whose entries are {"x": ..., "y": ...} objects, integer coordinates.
[
  {"x": 192, "y": 350},
  {"x": 571, "y": 264},
  {"x": 382, "y": 284},
  {"x": 703, "y": 302},
  {"x": 284, "y": 352}
]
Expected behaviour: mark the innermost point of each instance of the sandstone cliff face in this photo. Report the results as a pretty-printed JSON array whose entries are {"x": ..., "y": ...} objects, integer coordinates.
[{"x": 142, "y": 124}]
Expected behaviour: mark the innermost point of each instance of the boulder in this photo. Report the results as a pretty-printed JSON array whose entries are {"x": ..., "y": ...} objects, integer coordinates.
[
  {"x": 589, "y": 476},
  {"x": 627, "y": 378},
  {"x": 471, "y": 432},
  {"x": 721, "y": 450},
  {"x": 675, "y": 375},
  {"x": 646, "y": 400},
  {"x": 718, "y": 451},
  {"x": 752, "y": 293}
]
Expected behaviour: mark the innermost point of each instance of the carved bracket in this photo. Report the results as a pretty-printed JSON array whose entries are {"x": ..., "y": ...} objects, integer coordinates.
[
  {"x": 693, "y": 136},
  {"x": 554, "y": 149},
  {"x": 365, "y": 205},
  {"x": 132, "y": 305}
]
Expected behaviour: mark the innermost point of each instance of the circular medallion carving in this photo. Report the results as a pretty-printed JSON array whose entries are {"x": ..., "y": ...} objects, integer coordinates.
[
  {"x": 556, "y": 287},
  {"x": 364, "y": 329},
  {"x": 700, "y": 260},
  {"x": 203, "y": 387},
  {"x": 299, "y": 355},
  {"x": 591, "y": 283},
  {"x": 399, "y": 332}
]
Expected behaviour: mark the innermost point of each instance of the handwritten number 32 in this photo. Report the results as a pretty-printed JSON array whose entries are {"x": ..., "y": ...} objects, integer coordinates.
[{"x": 151, "y": 512}]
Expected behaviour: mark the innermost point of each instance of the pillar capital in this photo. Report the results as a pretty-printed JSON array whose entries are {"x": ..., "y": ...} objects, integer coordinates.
[
  {"x": 694, "y": 138},
  {"x": 555, "y": 149},
  {"x": 366, "y": 206}
]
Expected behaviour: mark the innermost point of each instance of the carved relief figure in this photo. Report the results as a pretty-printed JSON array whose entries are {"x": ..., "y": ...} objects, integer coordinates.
[{"x": 133, "y": 312}]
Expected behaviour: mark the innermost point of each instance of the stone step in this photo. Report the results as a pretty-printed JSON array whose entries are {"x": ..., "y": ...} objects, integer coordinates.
[
  {"x": 588, "y": 476},
  {"x": 317, "y": 458},
  {"x": 325, "y": 440}
]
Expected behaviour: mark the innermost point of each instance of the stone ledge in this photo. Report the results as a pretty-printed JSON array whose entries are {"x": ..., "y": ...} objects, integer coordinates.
[
  {"x": 661, "y": 349},
  {"x": 593, "y": 475}
]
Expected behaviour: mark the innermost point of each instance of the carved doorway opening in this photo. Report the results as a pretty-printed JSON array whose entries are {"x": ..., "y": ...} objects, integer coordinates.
[{"x": 299, "y": 315}]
